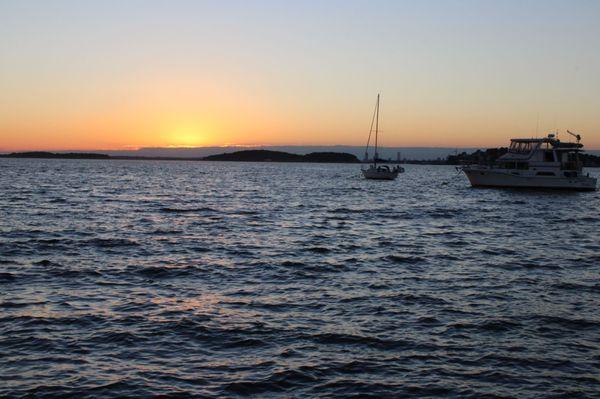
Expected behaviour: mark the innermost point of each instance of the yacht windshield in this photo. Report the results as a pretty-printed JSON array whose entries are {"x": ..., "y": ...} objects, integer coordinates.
[{"x": 519, "y": 147}]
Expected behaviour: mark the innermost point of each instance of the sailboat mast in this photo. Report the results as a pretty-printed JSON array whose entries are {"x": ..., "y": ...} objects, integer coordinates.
[{"x": 376, "y": 130}]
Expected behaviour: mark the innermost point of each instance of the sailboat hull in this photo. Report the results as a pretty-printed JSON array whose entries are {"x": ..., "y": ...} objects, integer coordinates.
[{"x": 380, "y": 174}]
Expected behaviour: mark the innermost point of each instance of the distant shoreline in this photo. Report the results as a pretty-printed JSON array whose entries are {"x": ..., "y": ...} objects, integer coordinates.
[
  {"x": 590, "y": 161},
  {"x": 239, "y": 156},
  {"x": 93, "y": 156}
]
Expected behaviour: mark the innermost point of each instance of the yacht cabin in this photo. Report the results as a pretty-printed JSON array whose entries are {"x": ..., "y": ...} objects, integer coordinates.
[{"x": 548, "y": 156}]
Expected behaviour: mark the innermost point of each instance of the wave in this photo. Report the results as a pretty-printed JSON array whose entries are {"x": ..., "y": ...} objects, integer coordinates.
[
  {"x": 244, "y": 343},
  {"x": 18, "y": 305},
  {"x": 27, "y": 321},
  {"x": 494, "y": 325},
  {"x": 6, "y": 277},
  {"x": 29, "y": 344},
  {"x": 595, "y": 288},
  {"x": 8, "y": 262},
  {"x": 498, "y": 251},
  {"x": 279, "y": 381},
  {"x": 418, "y": 298},
  {"x": 161, "y": 272},
  {"x": 367, "y": 388},
  {"x": 318, "y": 250},
  {"x": 45, "y": 262},
  {"x": 164, "y": 232},
  {"x": 565, "y": 322},
  {"x": 188, "y": 210},
  {"x": 58, "y": 270},
  {"x": 126, "y": 338},
  {"x": 404, "y": 259},
  {"x": 360, "y": 340},
  {"x": 349, "y": 211},
  {"x": 291, "y": 263},
  {"x": 244, "y": 212},
  {"x": 520, "y": 361},
  {"x": 112, "y": 242}
]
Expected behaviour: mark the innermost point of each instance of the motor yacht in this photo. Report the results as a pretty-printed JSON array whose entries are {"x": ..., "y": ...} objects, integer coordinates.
[{"x": 535, "y": 163}]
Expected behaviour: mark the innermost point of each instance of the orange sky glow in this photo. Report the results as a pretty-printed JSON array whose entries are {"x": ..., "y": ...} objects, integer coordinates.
[{"x": 86, "y": 76}]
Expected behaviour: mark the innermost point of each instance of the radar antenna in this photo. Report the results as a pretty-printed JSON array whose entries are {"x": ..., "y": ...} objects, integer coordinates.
[{"x": 577, "y": 136}]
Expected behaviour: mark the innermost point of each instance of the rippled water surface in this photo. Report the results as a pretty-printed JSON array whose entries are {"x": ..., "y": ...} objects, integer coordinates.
[{"x": 143, "y": 278}]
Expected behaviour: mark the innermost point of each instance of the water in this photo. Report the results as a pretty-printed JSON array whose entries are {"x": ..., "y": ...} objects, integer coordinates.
[{"x": 143, "y": 278}]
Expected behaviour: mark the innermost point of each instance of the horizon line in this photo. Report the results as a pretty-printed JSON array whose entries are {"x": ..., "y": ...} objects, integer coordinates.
[
  {"x": 3, "y": 150},
  {"x": 6, "y": 151}
]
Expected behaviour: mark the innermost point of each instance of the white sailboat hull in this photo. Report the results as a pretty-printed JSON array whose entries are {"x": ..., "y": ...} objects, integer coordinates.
[
  {"x": 485, "y": 177},
  {"x": 381, "y": 174}
]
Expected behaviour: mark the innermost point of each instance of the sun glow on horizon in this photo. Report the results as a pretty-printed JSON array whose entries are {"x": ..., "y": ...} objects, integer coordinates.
[{"x": 187, "y": 134}]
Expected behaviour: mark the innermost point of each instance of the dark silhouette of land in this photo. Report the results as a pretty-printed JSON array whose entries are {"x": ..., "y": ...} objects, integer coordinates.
[
  {"x": 280, "y": 156},
  {"x": 488, "y": 156},
  {"x": 359, "y": 151},
  {"x": 240, "y": 156},
  {"x": 44, "y": 154}
]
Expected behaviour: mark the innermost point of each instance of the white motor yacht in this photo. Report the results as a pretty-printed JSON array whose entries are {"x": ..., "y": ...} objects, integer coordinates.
[{"x": 535, "y": 163}]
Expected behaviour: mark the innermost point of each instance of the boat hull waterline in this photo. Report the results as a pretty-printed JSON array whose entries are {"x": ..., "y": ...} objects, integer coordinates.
[
  {"x": 490, "y": 178},
  {"x": 375, "y": 174}
]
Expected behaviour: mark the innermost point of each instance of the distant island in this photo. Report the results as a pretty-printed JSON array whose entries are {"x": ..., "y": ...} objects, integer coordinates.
[
  {"x": 44, "y": 154},
  {"x": 280, "y": 156}
]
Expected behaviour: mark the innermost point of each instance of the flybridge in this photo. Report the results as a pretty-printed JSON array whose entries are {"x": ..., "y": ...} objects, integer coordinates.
[{"x": 523, "y": 146}]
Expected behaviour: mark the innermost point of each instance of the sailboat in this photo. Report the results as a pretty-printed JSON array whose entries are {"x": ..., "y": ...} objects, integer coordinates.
[{"x": 378, "y": 172}]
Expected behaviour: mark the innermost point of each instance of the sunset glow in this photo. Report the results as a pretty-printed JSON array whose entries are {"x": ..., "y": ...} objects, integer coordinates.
[{"x": 87, "y": 75}]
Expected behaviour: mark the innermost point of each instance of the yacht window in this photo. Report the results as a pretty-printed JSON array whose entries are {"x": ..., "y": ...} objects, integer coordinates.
[
  {"x": 522, "y": 165},
  {"x": 548, "y": 156},
  {"x": 519, "y": 147},
  {"x": 545, "y": 174}
]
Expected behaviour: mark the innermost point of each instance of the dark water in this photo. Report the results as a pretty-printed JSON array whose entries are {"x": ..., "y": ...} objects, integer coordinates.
[{"x": 125, "y": 278}]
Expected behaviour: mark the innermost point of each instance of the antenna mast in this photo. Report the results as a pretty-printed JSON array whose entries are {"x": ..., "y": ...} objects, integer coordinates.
[
  {"x": 370, "y": 132},
  {"x": 376, "y": 130},
  {"x": 577, "y": 136}
]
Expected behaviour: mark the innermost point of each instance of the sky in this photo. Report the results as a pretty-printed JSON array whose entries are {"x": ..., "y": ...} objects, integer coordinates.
[{"x": 83, "y": 75}]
